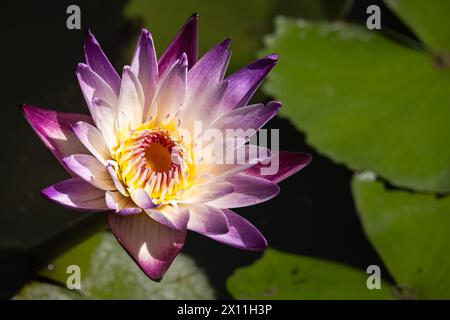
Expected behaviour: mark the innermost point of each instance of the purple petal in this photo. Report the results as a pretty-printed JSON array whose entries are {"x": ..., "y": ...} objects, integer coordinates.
[
  {"x": 120, "y": 204},
  {"x": 207, "y": 220},
  {"x": 208, "y": 71},
  {"x": 244, "y": 83},
  {"x": 248, "y": 191},
  {"x": 247, "y": 118},
  {"x": 54, "y": 129},
  {"x": 152, "y": 245},
  {"x": 91, "y": 170},
  {"x": 93, "y": 87},
  {"x": 76, "y": 194},
  {"x": 171, "y": 94},
  {"x": 92, "y": 139},
  {"x": 288, "y": 164},
  {"x": 174, "y": 218},
  {"x": 242, "y": 234},
  {"x": 145, "y": 67},
  {"x": 98, "y": 61},
  {"x": 186, "y": 41}
]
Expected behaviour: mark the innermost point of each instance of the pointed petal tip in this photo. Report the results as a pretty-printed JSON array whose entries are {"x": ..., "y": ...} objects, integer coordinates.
[
  {"x": 226, "y": 43},
  {"x": 25, "y": 108},
  {"x": 275, "y": 105},
  {"x": 96, "y": 101},
  {"x": 154, "y": 279},
  {"x": 145, "y": 32},
  {"x": 151, "y": 245},
  {"x": 289, "y": 164},
  {"x": 308, "y": 158},
  {"x": 22, "y": 108},
  {"x": 303, "y": 158},
  {"x": 192, "y": 20},
  {"x": 183, "y": 61},
  {"x": 186, "y": 40},
  {"x": 81, "y": 66},
  {"x": 29, "y": 109},
  {"x": 146, "y": 35},
  {"x": 49, "y": 192},
  {"x": 46, "y": 192},
  {"x": 77, "y": 125},
  {"x": 261, "y": 245},
  {"x": 272, "y": 56},
  {"x": 127, "y": 71},
  {"x": 264, "y": 245},
  {"x": 68, "y": 159},
  {"x": 142, "y": 199},
  {"x": 76, "y": 194},
  {"x": 90, "y": 38},
  {"x": 29, "y": 112},
  {"x": 242, "y": 234}
]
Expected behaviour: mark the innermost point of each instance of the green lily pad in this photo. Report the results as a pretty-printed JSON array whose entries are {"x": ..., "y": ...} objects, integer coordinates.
[
  {"x": 429, "y": 19},
  {"x": 107, "y": 272},
  {"x": 411, "y": 234},
  {"x": 313, "y": 9},
  {"x": 44, "y": 291},
  {"x": 365, "y": 100},
  {"x": 279, "y": 275}
]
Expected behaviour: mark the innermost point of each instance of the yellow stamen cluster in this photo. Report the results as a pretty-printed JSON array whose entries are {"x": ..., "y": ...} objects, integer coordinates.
[{"x": 156, "y": 160}]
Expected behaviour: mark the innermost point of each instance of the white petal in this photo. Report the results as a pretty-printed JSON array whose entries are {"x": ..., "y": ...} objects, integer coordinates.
[
  {"x": 93, "y": 140},
  {"x": 145, "y": 67},
  {"x": 91, "y": 170},
  {"x": 171, "y": 94},
  {"x": 106, "y": 122},
  {"x": 112, "y": 168},
  {"x": 174, "y": 218},
  {"x": 131, "y": 101},
  {"x": 120, "y": 204}
]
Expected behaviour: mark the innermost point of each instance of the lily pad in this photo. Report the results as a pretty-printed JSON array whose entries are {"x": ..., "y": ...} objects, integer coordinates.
[
  {"x": 44, "y": 291},
  {"x": 313, "y": 9},
  {"x": 429, "y": 19},
  {"x": 411, "y": 234},
  {"x": 365, "y": 100},
  {"x": 279, "y": 275},
  {"x": 107, "y": 272}
]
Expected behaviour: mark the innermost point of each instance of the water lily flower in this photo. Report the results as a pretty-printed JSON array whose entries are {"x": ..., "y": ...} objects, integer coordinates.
[{"x": 132, "y": 159}]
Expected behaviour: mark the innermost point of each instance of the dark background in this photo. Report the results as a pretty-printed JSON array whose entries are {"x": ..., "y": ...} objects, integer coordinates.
[{"x": 313, "y": 215}]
